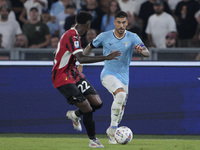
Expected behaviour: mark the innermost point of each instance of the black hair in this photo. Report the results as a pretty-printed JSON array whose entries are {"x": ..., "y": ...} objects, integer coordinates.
[
  {"x": 109, "y": 12},
  {"x": 120, "y": 14},
  {"x": 34, "y": 8},
  {"x": 71, "y": 5},
  {"x": 83, "y": 17},
  {"x": 5, "y": 6}
]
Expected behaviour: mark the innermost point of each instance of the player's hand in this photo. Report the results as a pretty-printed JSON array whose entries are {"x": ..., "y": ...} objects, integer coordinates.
[
  {"x": 80, "y": 68},
  {"x": 113, "y": 55},
  {"x": 138, "y": 48},
  {"x": 142, "y": 50}
]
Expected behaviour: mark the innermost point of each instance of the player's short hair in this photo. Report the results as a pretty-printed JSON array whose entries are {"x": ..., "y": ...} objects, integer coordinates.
[
  {"x": 83, "y": 17},
  {"x": 121, "y": 14}
]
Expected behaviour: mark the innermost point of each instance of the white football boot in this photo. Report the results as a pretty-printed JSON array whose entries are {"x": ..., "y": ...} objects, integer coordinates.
[
  {"x": 111, "y": 135},
  {"x": 75, "y": 120},
  {"x": 95, "y": 144}
]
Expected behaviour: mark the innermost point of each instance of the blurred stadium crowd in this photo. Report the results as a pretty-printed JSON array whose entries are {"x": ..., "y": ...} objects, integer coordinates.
[{"x": 40, "y": 23}]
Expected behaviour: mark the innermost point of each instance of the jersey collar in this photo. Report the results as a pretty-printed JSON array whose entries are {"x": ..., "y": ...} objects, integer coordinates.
[
  {"x": 117, "y": 37},
  {"x": 75, "y": 29}
]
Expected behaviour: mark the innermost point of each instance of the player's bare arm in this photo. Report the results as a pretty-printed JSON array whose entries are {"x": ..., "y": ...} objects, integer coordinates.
[
  {"x": 87, "y": 50},
  {"x": 91, "y": 59},
  {"x": 141, "y": 49}
]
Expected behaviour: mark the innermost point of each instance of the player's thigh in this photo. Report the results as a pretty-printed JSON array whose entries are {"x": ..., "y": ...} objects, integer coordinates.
[
  {"x": 94, "y": 99},
  {"x": 112, "y": 84},
  {"x": 74, "y": 96},
  {"x": 89, "y": 92},
  {"x": 71, "y": 93}
]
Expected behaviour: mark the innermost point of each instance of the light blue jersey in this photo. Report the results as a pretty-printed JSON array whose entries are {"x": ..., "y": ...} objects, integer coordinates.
[{"x": 118, "y": 68}]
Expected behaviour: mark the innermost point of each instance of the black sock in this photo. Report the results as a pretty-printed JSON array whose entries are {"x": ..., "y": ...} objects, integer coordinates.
[
  {"x": 78, "y": 113},
  {"x": 89, "y": 125}
]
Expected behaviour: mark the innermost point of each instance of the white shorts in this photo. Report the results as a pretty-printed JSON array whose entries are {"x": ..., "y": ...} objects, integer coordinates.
[{"x": 111, "y": 83}]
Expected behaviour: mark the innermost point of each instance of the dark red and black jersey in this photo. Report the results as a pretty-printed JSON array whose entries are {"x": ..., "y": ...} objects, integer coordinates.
[{"x": 64, "y": 67}]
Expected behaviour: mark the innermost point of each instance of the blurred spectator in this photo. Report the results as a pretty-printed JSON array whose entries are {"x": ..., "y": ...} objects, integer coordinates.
[
  {"x": 159, "y": 24},
  {"x": 146, "y": 10},
  {"x": 104, "y": 6},
  {"x": 39, "y": 4},
  {"x": 45, "y": 18},
  {"x": 170, "y": 40},
  {"x": 197, "y": 33},
  {"x": 17, "y": 7},
  {"x": 93, "y": 7},
  {"x": 2, "y": 56},
  {"x": 57, "y": 8},
  {"x": 107, "y": 22},
  {"x": 139, "y": 3},
  {"x": 70, "y": 20},
  {"x": 37, "y": 32},
  {"x": 1, "y": 41},
  {"x": 8, "y": 28},
  {"x": 11, "y": 15},
  {"x": 54, "y": 41},
  {"x": 90, "y": 35},
  {"x": 132, "y": 24},
  {"x": 197, "y": 17},
  {"x": 129, "y": 5},
  {"x": 78, "y": 4},
  {"x": 22, "y": 41},
  {"x": 60, "y": 21},
  {"x": 172, "y": 4},
  {"x": 186, "y": 23}
]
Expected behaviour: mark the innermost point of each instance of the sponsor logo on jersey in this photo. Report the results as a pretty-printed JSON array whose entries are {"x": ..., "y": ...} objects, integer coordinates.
[
  {"x": 76, "y": 44},
  {"x": 110, "y": 44}
]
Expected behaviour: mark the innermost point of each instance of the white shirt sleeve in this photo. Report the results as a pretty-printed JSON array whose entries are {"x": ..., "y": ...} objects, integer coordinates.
[
  {"x": 148, "y": 28},
  {"x": 172, "y": 24},
  {"x": 18, "y": 28}
]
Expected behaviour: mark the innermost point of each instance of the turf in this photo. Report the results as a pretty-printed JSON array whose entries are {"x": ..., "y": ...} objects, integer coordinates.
[{"x": 80, "y": 142}]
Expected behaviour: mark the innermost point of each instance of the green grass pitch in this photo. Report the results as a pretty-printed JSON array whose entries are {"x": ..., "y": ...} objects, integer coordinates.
[{"x": 81, "y": 142}]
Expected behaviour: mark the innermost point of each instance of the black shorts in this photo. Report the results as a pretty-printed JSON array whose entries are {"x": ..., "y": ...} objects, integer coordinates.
[{"x": 76, "y": 92}]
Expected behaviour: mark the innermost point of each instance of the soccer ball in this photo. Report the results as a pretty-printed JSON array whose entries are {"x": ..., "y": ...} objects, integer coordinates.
[{"x": 123, "y": 135}]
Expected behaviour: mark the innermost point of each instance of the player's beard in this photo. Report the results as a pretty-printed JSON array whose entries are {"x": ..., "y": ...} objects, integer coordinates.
[
  {"x": 158, "y": 12},
  {"x": 4, "y": 17},
  {"x": 121, "y": 30}
]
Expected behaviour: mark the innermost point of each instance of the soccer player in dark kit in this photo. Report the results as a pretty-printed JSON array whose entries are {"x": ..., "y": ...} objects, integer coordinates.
[{"x": 71, "y": 83}]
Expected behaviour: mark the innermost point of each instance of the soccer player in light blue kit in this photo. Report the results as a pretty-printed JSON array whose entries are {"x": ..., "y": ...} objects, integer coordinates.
[{"x": 115, "y": 74}]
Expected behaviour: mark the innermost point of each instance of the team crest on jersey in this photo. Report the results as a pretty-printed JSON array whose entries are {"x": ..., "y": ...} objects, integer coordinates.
[
  {"x": 76, "y": 44},
  {"x": 126, "y": 43}
]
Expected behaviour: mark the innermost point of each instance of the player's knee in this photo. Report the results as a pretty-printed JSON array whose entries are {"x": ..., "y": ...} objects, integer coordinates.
[
  {"x": 119, "y": 100},
  {"x": 120, "y": 97},
  {"x": 84, "y": 106},
  {"x": 95, "y": 107}
]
